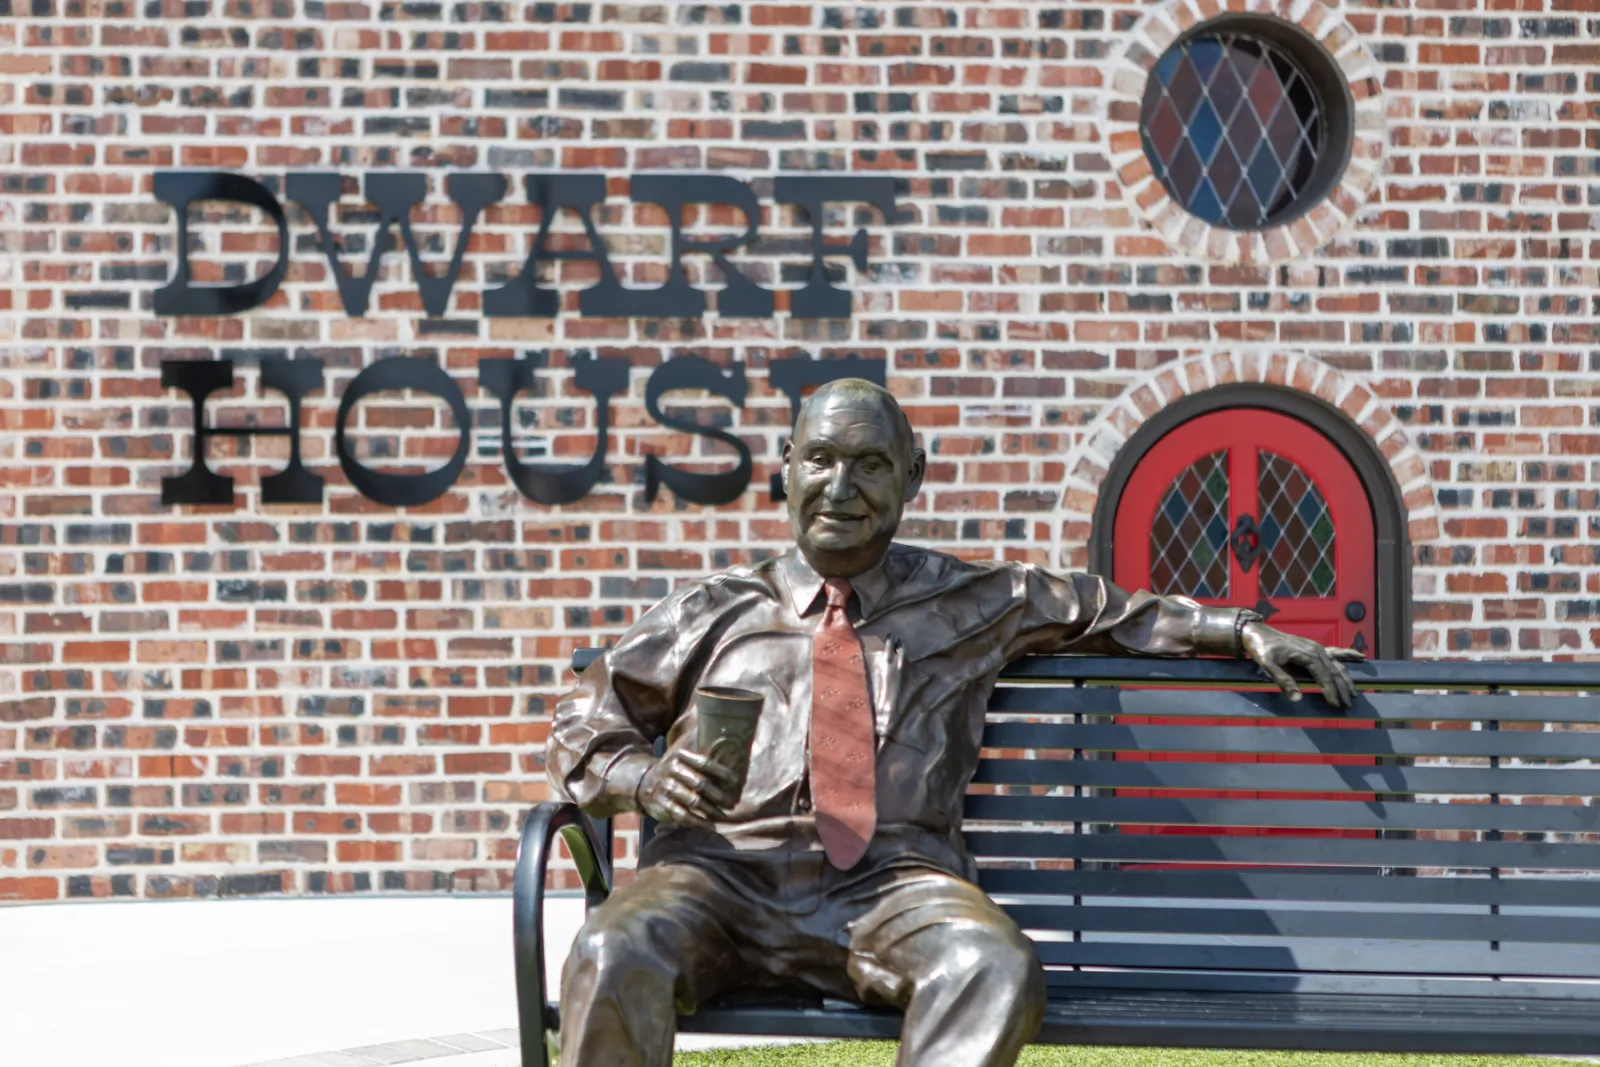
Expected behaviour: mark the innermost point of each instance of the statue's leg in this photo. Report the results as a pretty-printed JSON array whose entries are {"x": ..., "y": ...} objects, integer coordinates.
[
  {"x": 658, "y": 946},
  {"x": 970, "y": 982}
]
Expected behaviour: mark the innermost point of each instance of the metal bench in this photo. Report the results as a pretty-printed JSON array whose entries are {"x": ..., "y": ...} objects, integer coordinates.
[{"x": 1424, "y": 876}]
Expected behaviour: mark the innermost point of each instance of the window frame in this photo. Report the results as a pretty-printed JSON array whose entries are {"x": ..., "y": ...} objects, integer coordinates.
[{"x": 1335, "y": 105}]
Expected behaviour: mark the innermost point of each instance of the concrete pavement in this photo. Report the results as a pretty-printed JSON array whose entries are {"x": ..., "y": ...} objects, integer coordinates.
[{"x": 307, "y": 982}]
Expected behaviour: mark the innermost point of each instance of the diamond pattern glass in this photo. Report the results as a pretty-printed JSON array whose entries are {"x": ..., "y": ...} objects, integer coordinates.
[
  {"x": 1233, "y": 128},
  {"x": 1189, "y": 537},
  {"x": 1297, "y": 532}
]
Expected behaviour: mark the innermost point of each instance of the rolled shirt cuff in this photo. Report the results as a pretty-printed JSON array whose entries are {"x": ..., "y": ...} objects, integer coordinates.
[
  {"x": 622, "y": 778},
  {"x": 1216, "y": 632}
]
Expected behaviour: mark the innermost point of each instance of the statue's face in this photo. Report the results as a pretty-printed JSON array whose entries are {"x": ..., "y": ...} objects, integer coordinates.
[{"x": 847, "y": 479}]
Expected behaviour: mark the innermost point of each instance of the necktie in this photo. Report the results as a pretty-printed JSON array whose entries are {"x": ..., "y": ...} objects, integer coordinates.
[{"x": 842, "y": 749}]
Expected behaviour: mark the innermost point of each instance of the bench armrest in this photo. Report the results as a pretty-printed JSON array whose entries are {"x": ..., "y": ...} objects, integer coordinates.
[{"x": 527, "y": 908}]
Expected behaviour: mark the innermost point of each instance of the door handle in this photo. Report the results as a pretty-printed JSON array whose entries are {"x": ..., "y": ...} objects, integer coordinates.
[{"x": 1245, "y": 541}]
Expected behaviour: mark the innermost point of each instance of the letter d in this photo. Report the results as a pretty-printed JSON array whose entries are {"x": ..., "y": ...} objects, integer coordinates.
[{"x": 182, "y": 188}]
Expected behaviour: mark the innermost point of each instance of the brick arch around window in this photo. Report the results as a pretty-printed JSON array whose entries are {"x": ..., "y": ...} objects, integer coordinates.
[
  {"x": 1166, "y": 22},
  {"x": 1346, "y": 412}
]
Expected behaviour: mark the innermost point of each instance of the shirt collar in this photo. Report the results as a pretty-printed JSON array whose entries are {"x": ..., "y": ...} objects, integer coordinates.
[{"x": 870, "y": 586}]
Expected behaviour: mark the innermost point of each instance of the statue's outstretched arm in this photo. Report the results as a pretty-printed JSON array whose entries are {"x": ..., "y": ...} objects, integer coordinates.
[{"x": 1085, "y": 613}]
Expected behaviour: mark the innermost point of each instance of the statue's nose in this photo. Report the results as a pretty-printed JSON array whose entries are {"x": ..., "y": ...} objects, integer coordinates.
[{"x": 840, "y": 486}]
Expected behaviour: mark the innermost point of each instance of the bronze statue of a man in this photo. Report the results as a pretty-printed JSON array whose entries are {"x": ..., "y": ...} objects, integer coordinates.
[{"x": 838, "y": 869}]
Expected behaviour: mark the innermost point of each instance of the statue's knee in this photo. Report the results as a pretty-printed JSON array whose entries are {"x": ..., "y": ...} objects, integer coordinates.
[
  {"x": 614, "y": 954},
  {"x": 1007, "y": 966},
  {"x": 592, "y": 945}
]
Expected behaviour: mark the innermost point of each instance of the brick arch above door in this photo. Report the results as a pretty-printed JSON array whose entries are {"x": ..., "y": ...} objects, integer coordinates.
[{"x": 1391, "y": 470}]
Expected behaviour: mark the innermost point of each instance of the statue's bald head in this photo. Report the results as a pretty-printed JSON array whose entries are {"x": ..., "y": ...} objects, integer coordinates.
[
  {"x": 860, "y": 394},
  {"x": 848, "y": 472}
]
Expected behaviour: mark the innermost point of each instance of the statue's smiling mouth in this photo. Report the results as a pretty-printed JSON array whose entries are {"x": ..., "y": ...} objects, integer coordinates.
[{"x": 840, "y": 516}]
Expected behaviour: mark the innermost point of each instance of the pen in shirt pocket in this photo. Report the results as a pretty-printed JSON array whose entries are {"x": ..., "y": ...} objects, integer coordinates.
[{"x": 894, "y": 664}]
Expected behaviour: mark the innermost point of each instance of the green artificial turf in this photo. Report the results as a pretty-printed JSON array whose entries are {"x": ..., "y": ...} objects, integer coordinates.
[{"x": 881, "y": 1054}]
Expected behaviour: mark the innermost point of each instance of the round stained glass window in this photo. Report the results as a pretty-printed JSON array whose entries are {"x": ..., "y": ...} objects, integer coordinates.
[{"x": 1245, "y": 129}]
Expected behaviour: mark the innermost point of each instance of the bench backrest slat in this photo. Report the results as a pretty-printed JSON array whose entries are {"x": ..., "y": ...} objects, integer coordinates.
[
  {"x": 1346, "y": 955},
  {"x": 1510, "y": 781},
  {"x": 1293, "y": 885},
  {"x": 1409, "y": 674},
  {"x": 1329, "y": 851},
  {"x": 1466, "y": 707},
  {"x": 1291, "y": 921},
  {"x": 1313, "y": 814},
  {"x": 1287, "y": 739},
  {"x": 1559, "y": 995}
]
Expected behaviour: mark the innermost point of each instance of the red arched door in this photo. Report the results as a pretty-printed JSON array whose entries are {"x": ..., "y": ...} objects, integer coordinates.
[{"x": 1250, "y": 508}]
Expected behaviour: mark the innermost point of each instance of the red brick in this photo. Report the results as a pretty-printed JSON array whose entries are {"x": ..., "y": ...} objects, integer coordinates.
[
  {"x": 29, "y": 889},
  {"x": 26, "y": 829}
]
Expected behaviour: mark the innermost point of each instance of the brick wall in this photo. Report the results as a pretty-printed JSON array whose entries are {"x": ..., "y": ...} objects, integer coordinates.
[{"x": 349, "y": 697}]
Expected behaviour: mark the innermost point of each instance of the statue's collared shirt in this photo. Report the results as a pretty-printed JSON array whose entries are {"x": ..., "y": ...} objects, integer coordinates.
[{"x": 936, "y": 632}]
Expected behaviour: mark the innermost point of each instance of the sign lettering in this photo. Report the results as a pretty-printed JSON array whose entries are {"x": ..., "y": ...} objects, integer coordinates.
[{"x": 396, "y": 195}]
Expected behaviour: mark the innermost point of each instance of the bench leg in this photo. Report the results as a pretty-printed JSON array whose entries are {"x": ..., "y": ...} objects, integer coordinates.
[{"x": 589, "y": 849}]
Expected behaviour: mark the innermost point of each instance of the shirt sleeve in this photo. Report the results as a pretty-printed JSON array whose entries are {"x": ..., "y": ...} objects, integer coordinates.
[
  {"x": 603, "y": 732},
  {"x": 1085, "y": 613}
]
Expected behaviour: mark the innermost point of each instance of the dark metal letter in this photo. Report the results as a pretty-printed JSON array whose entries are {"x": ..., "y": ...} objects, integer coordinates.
[
  {"x": 521, "y": 297},
  {"x": 677, "y": 297},
  {"x": 403, "y": 490},
  {"x": 180, "y": 296},
  {"x": 395, "y": 195},
  {"x": 693, "y": 372},
  {"x": 819, "y": 300},
  {"x": 546, "y": 483},
  {"x": 201, "y": 485}
]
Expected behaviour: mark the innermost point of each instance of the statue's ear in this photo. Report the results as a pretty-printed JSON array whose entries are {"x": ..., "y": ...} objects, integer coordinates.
[
  {"x": 783, "y": 473},
  {"x": 919, "y": 467}
]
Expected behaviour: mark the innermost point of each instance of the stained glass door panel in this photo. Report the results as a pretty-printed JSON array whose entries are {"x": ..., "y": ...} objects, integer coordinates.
[
  {"x": 1189, "y": 533},
  {"x": 1251, "y": 508}
]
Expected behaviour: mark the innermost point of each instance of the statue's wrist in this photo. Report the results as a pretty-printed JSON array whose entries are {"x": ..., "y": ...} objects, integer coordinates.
[
  {"x": 1217, "y": 631},
  {"x": 1245, "y": 618},
  {"x": 623, "y": 779}
]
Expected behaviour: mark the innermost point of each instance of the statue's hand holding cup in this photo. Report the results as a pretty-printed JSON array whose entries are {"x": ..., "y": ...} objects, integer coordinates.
[{"x": 699, "y": 786}]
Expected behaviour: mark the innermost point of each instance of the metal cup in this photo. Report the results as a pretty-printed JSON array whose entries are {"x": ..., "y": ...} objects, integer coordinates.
[{"x": 727, "y": 726}]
